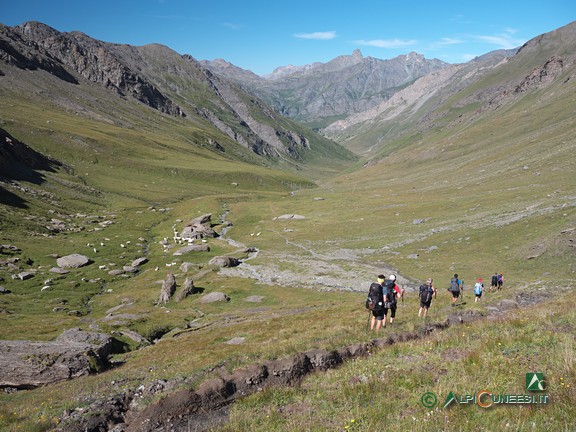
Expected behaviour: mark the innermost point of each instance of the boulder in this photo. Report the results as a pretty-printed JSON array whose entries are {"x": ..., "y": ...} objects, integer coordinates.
[
  {"x": 73, "y": 261},
  {"x": 198, "y": 228},
  {"x": 130, "y": 269},
  {"x": 132, "y": 335},
  {"x": 58, "y": 270},
  {"x": 185, "y": 267},
  {"x": 236, "y": 341},
  {"x": 139, "y": 261},
  {"x": 290, "y": 216},
  {"x": 224, "y": 261},
  {"x": 116, "y": 272},
  {"x": 24, "y": 275},
  {"x": 28, "y": 364},
  {"x": 192, "y": 248},
  {"x": 201, "y": 220},
  {"x": 214, "y": 297}
]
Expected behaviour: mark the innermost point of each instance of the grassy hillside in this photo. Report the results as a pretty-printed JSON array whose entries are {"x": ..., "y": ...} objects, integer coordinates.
[{"x": 392, "y": 387}]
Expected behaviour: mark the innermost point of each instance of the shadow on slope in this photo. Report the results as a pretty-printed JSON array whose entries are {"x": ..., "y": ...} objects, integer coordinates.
[
  {"x": 18, "y": 162},
  {"x": 10, "y": 199}
]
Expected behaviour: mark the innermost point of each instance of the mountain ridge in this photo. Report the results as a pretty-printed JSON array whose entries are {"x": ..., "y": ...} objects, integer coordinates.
[
  {"x": 165, "y": 81},
  {"x": 319, "y": 92}
]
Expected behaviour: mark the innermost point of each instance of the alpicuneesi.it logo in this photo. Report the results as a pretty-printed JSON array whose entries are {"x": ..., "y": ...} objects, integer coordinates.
[
  {"x": 534, "y": 381},
  {"x": 484, "y": 398}
]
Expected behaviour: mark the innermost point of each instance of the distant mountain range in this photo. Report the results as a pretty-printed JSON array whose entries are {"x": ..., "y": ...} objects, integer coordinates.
[
  {"x": 468, "y": 94},
  {"x": 320, "y": 93},
  {"x": 360, "y": 102}
]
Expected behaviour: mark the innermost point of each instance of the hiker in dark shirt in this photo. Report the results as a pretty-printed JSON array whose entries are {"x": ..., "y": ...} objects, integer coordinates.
[
  {"x": 390, "y": 298},
  {"x": 378, "y": 311},
  {"x": 500, "y": 280},
  {"x": 427, "y": 292},
  {"x": 455, "y": 288},
  {"x": 494, "y": 281}
]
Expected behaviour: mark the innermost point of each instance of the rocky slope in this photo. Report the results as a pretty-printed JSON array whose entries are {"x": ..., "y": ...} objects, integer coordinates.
[
  {"x": 157, "y": 77},
  {"x": 476, "y": 90}
]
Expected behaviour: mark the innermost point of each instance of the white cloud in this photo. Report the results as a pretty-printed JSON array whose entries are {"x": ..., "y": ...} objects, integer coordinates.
[
  {"x": 316, "y": 35},
  {"x": 386, "y": 43},
  {"x": 502, "y": 40},
  {"x": 449, "y": 41}
]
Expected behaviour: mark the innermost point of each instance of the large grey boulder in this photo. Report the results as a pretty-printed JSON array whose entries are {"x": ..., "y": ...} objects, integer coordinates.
[
  {"x": 199, "y": 228},
  {"x": 192, "y": 248},
  {"x": 224, "y": 261},
  {"x": 27, "y": 364},
  {"x": 214, "y": 297},
  {"x": 73, "y": 261},
  {"x": 138, "y": 262}
]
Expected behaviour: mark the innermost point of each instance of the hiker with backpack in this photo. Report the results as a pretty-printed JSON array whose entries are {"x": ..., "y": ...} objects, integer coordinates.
[
  {"x": 500, "y": 280},
  {"x": 391, "y": 291},
  {"x": 455, "y": 288},
  {"x": 494, "y": 281},
  {"x": 427, "y": 292},
  {"x": 375, "y": 303},
  {"x": 478, "y": 288},
  {"x": 399, "y": 290}
]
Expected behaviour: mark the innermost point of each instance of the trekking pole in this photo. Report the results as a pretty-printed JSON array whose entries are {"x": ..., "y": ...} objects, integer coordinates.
[
  {"x": 462, "y": 293},
  {"x": 368, "y": 323}
]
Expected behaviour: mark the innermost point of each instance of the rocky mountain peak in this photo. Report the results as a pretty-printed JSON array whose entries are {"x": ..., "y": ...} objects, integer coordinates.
[{"x": 357, "y": 55}]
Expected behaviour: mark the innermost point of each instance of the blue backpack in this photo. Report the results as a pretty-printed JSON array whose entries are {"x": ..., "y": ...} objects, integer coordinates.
[{"x": 478, "y": 288}]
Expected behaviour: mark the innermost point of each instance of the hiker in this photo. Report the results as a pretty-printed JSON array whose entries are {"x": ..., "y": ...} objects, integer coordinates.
[
  {"x": 427, "y": 292},
  {"x": 390, "y": 298},
  {"x": 494, "y": 281},
  {"x": 500, "y": 280},
  {"x": 399, "y": 291},
  {"x": 375, "y": 303},
  {"x": 455, "y": 288},
  {"x": 478, "y": 288}
]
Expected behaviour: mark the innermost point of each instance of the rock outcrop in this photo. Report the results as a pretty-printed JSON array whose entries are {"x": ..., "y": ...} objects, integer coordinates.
[
  {"x": 214, "y": 297},
  {"x": 187, "y": 289},
  {"x": 168, "y": 289},
  {"x": 224, "y": 261},
  {"x": 27, "y": 364},
  {"x": 73, "y": 261}
]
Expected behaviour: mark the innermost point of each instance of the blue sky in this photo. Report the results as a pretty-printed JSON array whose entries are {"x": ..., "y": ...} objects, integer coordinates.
[{"x": 262, "y": 35}]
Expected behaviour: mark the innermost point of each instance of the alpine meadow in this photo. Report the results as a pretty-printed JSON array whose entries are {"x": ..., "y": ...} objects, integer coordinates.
[{"x": 187, "y": 246}]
